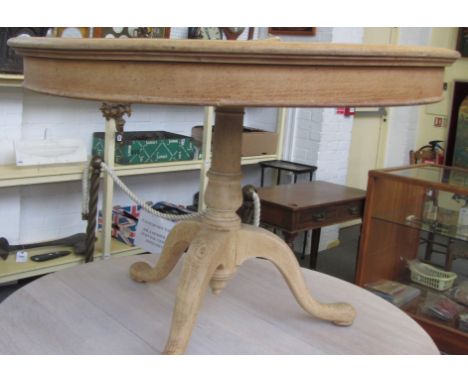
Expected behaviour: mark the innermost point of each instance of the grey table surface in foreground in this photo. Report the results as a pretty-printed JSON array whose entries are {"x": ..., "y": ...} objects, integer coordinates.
[{"x": 96, "y": 308}]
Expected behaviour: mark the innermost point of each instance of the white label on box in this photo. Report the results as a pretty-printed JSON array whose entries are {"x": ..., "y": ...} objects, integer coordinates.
[
  {"x": 21, "y": 257},
  {"x": 152, "y": 231}
]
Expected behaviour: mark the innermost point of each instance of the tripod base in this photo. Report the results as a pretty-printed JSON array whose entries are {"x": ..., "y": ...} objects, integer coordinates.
[{"x": 212, "y": 259}]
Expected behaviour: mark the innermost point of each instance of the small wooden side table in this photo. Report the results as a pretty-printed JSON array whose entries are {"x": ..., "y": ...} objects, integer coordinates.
[
  {"x": 296, "y": 169},
  {"x": 300, "y": 207}
]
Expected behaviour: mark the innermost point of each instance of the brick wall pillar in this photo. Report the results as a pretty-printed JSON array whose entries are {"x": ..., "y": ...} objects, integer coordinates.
[{"x": 321, "y": 137}]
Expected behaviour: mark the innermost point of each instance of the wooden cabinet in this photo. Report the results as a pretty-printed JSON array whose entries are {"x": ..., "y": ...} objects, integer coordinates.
[{"x": 408, "y": 209}]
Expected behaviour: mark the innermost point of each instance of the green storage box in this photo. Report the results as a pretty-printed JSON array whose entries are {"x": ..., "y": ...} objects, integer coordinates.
[{"x": 147, "y": 147}]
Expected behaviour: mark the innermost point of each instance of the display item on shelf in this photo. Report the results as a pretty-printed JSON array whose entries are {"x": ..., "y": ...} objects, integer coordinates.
[
  {"x": 49, "y": 256},
  {"x": 397, "y": 293},
  {"x": 125, "y": 219},
  {"x": 124, "y": 222},
  {"x": 139, "y": 147},
  {"x": 463, "y": 321},
  {"x": 76, "y": 241},
  {"x": 440, "y": 307},
  {"x": 34, "y": 152},
  {"x": 431, "y": 276},
  {"x": 255, "y": 142},
  {"x": 462, "y": 215},
  {"x": 459, "y": 293},
  {"x": 430, "y": 206},
  {"x": 170, "y": 208}
]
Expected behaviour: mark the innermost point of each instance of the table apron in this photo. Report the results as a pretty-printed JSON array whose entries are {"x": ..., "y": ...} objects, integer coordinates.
[{"x": 313, "y": 217}]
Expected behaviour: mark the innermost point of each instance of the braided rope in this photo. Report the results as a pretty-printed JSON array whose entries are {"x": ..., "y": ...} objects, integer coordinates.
[
  {"x": 92, "y": 210},
  {"x": 148, "y": 208},
  {"x": 256, "y": 201},
  {"x": 85, "y": 191},
  {"x": 143, "y": 205}
]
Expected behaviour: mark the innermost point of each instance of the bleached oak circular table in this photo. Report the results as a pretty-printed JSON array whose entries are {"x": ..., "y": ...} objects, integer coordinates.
[
  {"x": 230, "y": 75},
  {"x": 97, "y": 309}
]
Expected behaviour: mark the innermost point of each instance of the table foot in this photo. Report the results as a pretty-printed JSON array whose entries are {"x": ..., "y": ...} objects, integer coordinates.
[
  {"x": 257, "y": 242},
  {"x": 202, "y": 260},
  {"x": 176, "y": 244}
]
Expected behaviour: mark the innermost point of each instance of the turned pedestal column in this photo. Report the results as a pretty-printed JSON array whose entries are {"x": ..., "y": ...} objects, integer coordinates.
[{"x": 219, "y": 243}]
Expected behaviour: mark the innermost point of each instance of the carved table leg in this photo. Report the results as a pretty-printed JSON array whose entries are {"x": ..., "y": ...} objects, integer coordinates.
[
  {"x": 202, "y": 260},
  {"x": 258, "y": 242},
  {"x": 175, "y": 245}
]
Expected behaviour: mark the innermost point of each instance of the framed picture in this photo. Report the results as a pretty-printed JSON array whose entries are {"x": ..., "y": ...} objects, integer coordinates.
[
  {"x": 219, "y": 33},
  {"x": 462, "y": 41},
  {"x": 78, "y": 32},
  {"x": 10, "y": 62},
  {"x": 308, "y": 31},
  {"x": 112, "y": 32},
  {"x": 124, "y": 32}
]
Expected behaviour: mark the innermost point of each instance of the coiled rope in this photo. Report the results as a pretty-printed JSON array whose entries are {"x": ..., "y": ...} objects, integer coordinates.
[{"x": 147, "y": 207}]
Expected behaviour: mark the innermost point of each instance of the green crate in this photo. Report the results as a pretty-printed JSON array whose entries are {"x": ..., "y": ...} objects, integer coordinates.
[{"x": 147, "y": 147}]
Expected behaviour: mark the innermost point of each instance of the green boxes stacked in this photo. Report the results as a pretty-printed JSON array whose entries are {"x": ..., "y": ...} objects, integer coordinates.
[{"x": 147, "y": 147}]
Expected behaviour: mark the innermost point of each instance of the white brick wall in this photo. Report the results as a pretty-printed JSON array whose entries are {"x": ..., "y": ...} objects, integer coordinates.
[
  {"x": 39, "y": 218},
  {"x": 403, "y": 121},
  {"x": 321, "y": 137},
  {"x": 11, "y": 111}
]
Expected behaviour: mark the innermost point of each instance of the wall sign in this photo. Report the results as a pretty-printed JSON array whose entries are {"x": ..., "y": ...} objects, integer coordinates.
[
  {"x": 306, "y": 31},
  {"x": 152, "y": 231}
]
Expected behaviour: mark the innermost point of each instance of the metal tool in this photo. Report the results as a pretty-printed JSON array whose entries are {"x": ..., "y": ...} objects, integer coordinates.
[
  {"x": 77, "y": 242},
  {"x": 49, "y": 256}
]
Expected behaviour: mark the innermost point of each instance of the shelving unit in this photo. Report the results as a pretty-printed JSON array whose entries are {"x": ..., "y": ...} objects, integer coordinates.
[
  {"x": 12, "y": 175},
  {"x": 10, "y": 270},
  {"x": 11, "y": 80},
  {"x": 396, "y": 219}
]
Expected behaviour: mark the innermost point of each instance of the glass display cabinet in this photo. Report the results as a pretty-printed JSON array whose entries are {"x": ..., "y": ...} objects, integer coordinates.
[{"x": 415, "y": 233}]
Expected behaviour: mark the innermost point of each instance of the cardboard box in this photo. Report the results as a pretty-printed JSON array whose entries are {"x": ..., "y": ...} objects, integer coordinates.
[
  {"x": 254, "y": 141},
  {"x": 124, "y": 222},
  {"x": 148, "y": 147}
]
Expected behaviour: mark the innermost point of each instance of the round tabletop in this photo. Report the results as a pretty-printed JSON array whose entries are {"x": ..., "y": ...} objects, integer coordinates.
[
  {"x": 233, "y": 73},
  {"x": 96, "y": 308}
]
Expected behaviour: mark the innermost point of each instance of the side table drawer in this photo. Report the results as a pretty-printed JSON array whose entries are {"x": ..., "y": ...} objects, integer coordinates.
[
  {"x": 327, "y": 215},
  {"x": 352, "y": 210}
]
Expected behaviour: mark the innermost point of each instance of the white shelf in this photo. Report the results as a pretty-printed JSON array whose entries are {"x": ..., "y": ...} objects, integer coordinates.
[
  {"x": 10, "y": 270},
  {"x": 152, "y": 168},
  {"x": 12, "y": 175},
  {"x": 11, "y": 80}
]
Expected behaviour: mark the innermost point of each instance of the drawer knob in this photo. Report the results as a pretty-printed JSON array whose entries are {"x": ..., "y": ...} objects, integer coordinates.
[
  {"x": 353, "y": 210},
  {"x": 319, "y": 216}
]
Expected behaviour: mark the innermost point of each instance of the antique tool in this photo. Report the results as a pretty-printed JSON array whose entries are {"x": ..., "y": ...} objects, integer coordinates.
[
  {"x": 77, "y": 241},
  {"x": 49, "y": 256}
]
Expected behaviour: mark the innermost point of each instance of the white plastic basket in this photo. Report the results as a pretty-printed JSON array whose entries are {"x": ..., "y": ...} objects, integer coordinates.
[{"x": 430, "y": 276}]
